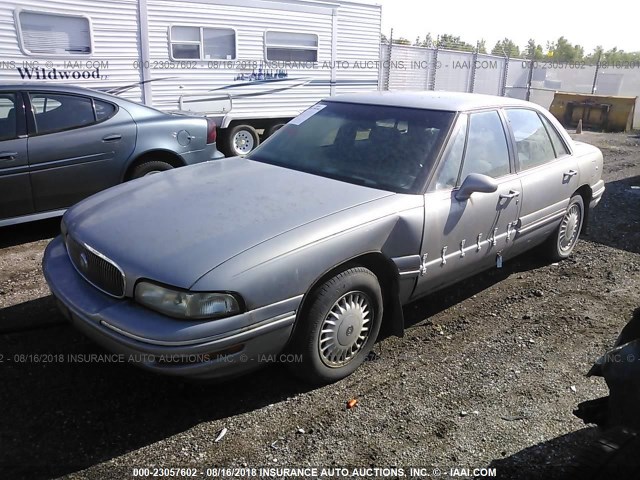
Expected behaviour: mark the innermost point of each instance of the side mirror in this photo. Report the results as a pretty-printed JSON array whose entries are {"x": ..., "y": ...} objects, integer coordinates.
[{"x": 476, "y": 182}]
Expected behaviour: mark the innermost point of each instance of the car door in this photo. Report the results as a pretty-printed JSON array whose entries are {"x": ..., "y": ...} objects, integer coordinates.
[
  {"x": 78, "y": 147},
  {"x": 15, "y": 199},
  {"x": 549, "y": 175},
  {"x": 464, "y": 236}
]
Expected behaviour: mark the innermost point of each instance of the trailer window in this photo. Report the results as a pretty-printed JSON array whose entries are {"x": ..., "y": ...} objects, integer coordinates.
[
  {"x": 202, "y": 43},
  {"x": 291, "y": 47},
  {"x": 53, "y": 34}
]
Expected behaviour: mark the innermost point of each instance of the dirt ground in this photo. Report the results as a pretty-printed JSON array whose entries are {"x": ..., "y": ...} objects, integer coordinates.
[{"x": 487, "y": 374}]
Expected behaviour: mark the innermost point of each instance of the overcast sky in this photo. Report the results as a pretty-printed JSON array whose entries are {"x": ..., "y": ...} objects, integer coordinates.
[{"x": 614, "y": 24}]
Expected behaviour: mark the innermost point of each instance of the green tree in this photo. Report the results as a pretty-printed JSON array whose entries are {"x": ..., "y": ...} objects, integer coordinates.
[
  {"x": 506, "y": 48},
  {"x": 562, "y": 51},
  {"x": 533, "y": 51},
  {"x": 482, "y": 46},
  {"x": 401, "y": 41},
  {"x": 452, "y": 42},
  {"x": 428, "y": 41}
]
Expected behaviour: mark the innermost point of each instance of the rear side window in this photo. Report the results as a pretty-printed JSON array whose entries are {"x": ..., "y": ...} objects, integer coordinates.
[
  {"x": 8, "y": 123},
  {"x": 532, "y": 141},
  {"x": 104, "y": 110},
  {"x": 55, "y": 112},
  {"x": 558, "y": 144},
  {"x": 487, "y": 152}
]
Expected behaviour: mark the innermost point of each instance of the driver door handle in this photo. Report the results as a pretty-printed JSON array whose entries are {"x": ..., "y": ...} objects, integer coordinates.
[
  {"x": 571, "y": 173},
  {"x": 8, "y": 155},
  {"x": 511, "y": 194},
  {"x": 112, "y": 138}
]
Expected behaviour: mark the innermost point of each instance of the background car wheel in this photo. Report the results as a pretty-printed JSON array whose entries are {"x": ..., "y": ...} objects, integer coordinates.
[
  {"x": 340, "y": 327},
  {"x": 150, "y": 168},
  {"x": 562, "y": 242},
  {"x": 241, "y": 139},
  {"x": 273, "y": 129}
]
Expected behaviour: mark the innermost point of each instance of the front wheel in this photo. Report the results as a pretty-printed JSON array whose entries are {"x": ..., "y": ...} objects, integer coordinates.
[
  {"x": 340, "y": 328},
  {"x": 563, "y": 240}
]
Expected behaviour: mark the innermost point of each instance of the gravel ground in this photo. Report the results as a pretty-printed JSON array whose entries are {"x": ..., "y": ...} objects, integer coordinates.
[{"x": 487, "y": 374}]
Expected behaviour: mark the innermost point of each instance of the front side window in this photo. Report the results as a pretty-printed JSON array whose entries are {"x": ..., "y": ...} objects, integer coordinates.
[
  {"x": 446, "y": 176},
  {"x": 202, "y": 43},
  {"x": 388, "y": 148},
  {"x": 52, "y": 34},
  {"x": 54, "y": 112},
  {"x": 8, "y": 120},
  {"x": 487, "y": 152},
  {"x": 532, "y": 141},
  {"x": 291, "y": 47}
]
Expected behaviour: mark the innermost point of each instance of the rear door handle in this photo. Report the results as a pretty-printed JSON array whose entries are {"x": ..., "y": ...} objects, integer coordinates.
[
  {"x": 8, "y": 155},
  {"x": 511, "y": 194},
  {"x": 571, "y": 173},
  {"x": 112, "y": 138}
]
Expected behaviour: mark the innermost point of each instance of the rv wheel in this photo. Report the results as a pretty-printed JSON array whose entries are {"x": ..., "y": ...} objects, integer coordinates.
[{"x": 241, "y": 139}]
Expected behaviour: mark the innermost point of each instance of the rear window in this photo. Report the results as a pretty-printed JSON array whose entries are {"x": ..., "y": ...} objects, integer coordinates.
[{"x": 389, "y": 148}]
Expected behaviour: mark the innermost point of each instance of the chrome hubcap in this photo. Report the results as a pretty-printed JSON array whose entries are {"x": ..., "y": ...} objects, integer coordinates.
[
  {"x": 569, "y": 228},
  {"x": 345, "y": 330},
  {"x": 243, "y": 142}
]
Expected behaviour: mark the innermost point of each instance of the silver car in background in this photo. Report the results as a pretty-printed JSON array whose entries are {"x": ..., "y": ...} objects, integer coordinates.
[
  {"x": 60, "y": 144},
  {"x": 314, "y": 242}
]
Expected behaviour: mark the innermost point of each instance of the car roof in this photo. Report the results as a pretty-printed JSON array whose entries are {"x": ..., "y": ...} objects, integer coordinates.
[{"x": 432, "y": 100}]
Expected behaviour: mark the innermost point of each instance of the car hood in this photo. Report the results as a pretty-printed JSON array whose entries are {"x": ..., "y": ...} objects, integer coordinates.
[{"x": 176, "y": 226}]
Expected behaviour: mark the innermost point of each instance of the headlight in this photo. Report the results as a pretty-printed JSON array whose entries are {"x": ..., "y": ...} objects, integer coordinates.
[{"x": 186, "y": 305}]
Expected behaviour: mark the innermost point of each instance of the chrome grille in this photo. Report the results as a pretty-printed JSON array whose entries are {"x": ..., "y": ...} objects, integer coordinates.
[{"x": 98, "y": 270}]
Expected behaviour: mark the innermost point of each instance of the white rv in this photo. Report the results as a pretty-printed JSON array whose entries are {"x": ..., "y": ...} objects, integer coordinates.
[{"x": 251, "y": 64}]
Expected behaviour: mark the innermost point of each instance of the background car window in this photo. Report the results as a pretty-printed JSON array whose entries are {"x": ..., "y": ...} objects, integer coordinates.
[
  {"x": 558, "y": 144},
  {"x": 449, "y": 168},
  {"x": 56, "y": 112},
  {"x": 8, "y": 124},
  {"x": 487, "y": 152},
  {"x": 104, "y": 110},
  {"x": 383, "y": 147},
  {"x": 532, "y": 141}
]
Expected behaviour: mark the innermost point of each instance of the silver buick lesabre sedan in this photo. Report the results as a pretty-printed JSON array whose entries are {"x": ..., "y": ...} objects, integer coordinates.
[{"x": 312, "y": 243}]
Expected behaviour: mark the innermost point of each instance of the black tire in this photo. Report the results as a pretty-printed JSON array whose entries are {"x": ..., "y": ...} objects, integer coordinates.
[
  {"x": 558, "y": 246},
  {"x": 354, "y": 285},
  {"x": 613, "y": 455},
  {"x": 149, "y": 168},
  {"x": 240, "y": 140},
  {"x": 273, "y": 129}
]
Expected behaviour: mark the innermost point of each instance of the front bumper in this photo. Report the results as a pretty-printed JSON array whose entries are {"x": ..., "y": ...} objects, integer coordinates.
[{"x": 215, "y": 349}]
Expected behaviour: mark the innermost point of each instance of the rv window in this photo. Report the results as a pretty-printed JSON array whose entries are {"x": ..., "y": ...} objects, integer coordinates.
[
  {"x": 288, "y": 47},
  {"x": 200, "y": 43},
  {"x": 46, "y": 33}
]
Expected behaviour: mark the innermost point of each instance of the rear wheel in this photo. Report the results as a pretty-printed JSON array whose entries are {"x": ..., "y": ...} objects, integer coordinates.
[
  {"x": 563, "y": 240},
  {"x": 613, "y": 455},
  {"x": 149, "y": 168},
  {"x": 340, "y": 328},
  {"x": 241, "y": 139}
]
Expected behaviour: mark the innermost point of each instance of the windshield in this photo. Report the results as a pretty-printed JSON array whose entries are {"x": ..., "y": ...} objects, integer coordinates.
[{"x": 389, "y": 148}]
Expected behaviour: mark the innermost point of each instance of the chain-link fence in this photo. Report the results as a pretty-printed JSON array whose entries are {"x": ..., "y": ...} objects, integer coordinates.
[{"x": 406, "y": 67}]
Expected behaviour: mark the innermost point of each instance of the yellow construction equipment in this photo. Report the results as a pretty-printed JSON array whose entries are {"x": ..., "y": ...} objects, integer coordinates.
[{"x": 598, "y": 112}]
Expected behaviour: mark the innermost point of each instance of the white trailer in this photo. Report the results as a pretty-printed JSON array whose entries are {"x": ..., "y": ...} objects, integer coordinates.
[{"x": 251, "y": 64}]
